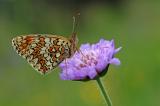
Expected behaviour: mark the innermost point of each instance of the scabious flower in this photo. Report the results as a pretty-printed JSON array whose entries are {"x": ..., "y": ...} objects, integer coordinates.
[{"x": 90, "y": 61}]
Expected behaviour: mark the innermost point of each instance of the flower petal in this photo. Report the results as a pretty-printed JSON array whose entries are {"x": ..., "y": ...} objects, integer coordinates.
[{"x": 115, "y": 61}]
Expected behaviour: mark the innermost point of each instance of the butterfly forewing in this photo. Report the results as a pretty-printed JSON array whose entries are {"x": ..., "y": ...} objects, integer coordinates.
[{"x": 42, "y": 51}]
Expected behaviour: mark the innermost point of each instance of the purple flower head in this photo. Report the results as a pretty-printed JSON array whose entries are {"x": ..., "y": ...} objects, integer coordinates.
[{"x": 90, "y": 62}]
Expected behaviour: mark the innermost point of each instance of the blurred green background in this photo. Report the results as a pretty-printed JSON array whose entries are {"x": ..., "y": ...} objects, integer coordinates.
[{"x": 133, "y": 24}]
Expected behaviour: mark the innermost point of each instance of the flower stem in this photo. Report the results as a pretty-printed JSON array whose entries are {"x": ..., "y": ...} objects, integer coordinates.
[{"x": 104, "y": 92}]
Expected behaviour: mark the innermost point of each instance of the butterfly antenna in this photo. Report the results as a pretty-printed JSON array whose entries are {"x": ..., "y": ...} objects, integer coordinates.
[{"x": 75, "y": 22}]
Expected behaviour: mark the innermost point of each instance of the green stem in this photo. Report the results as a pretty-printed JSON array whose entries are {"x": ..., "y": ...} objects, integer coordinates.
[{"x": 104, "y": 92}]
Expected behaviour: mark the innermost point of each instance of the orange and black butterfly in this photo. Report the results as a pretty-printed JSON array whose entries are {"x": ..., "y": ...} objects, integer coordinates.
[{"x": 45, "y": 51}]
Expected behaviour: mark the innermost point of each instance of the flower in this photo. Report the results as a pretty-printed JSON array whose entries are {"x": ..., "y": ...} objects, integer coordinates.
[{"x": 90, "y": 61}]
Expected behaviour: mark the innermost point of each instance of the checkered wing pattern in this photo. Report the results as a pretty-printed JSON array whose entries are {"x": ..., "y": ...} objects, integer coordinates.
[{"x": 42, "y": 51}]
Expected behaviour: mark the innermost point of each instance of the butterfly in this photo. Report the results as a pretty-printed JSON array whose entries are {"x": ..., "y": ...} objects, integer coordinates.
[{"x": 44, "y": 52}]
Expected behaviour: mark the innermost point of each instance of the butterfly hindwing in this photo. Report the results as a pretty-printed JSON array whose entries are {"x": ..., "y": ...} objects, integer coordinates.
[{"x": 42, "y": 51}]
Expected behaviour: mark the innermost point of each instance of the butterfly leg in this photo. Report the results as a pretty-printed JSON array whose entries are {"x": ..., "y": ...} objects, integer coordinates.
[
  {"x": 79, "y": 51},
  {"x": 65, "y": 60}
]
